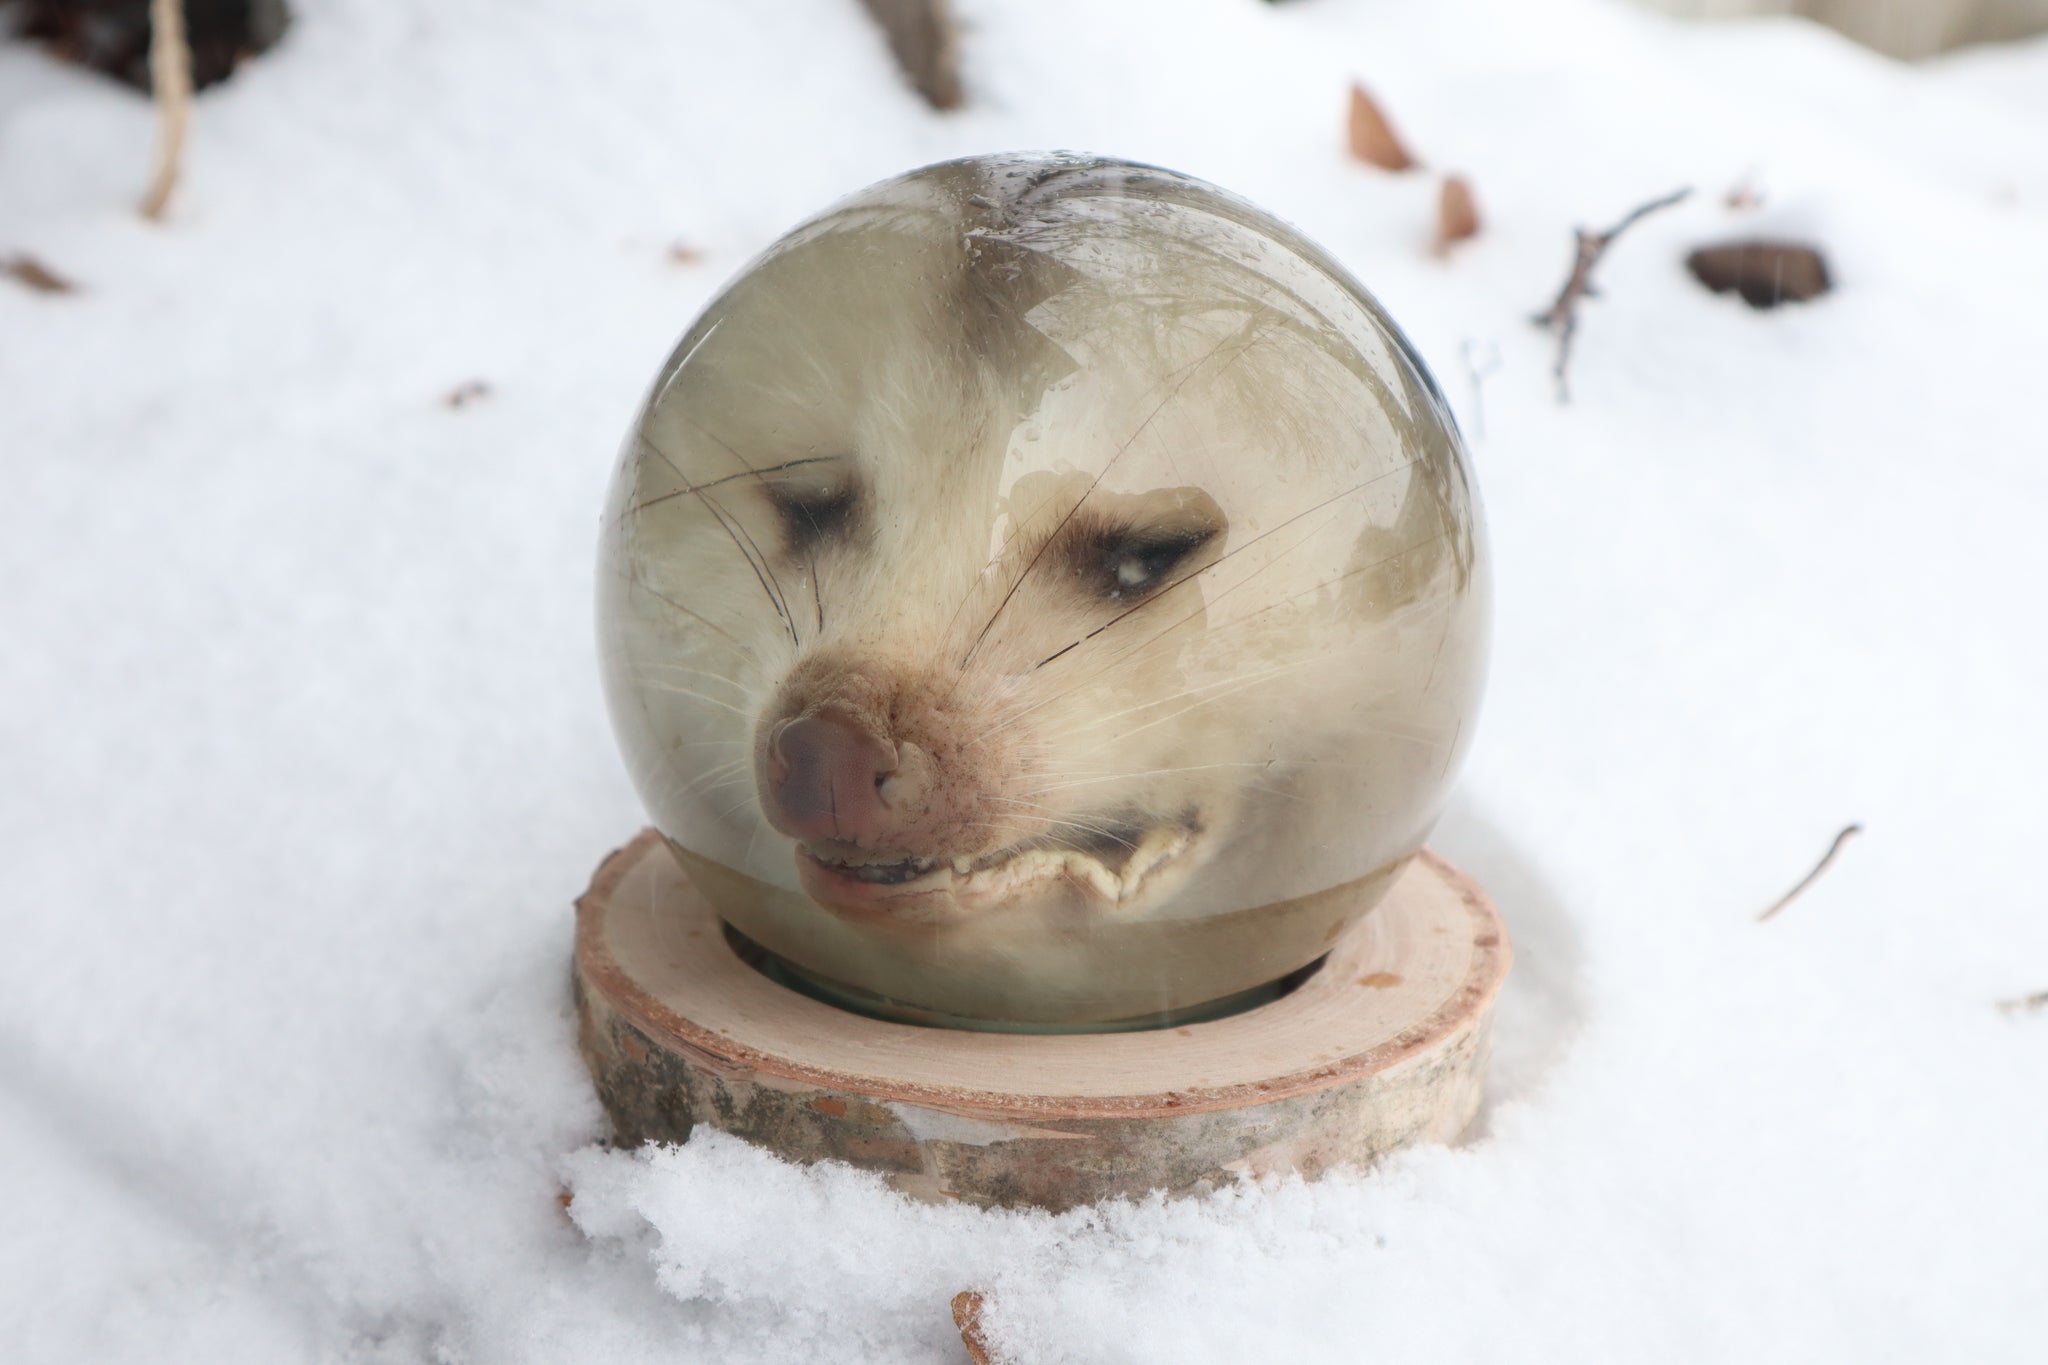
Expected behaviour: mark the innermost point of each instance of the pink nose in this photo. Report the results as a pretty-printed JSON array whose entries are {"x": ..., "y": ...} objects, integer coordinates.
[{"x": 823, "y": 771}]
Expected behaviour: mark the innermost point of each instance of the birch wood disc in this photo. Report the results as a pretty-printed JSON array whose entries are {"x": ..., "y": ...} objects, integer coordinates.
[{"x": 1384, "y": 1046}]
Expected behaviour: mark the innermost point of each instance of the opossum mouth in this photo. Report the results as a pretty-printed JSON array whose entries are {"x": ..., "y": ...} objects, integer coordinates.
[{"x": 1113, "y": 863}]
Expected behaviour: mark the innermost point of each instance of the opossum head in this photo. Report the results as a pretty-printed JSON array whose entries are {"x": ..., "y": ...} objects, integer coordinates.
[{"x": 1005, "y": 543}]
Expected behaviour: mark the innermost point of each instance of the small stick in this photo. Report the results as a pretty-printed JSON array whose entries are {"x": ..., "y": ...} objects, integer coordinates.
[
  {"x": 2026, "y": 1004},
  {"x": 967, "y": 1317},
  {"x": 1818, "y": 868},
  {"x": 1477, "y": 374},
  {"x": 170, "y": 78},
  {"x": 33, "y": 273},
  {"x": 1563, "y": 316},
  {"x": 462, "y": 395}
]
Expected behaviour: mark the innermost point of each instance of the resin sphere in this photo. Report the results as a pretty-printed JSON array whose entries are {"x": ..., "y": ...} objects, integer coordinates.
[{"x": 1043, "y": 591}]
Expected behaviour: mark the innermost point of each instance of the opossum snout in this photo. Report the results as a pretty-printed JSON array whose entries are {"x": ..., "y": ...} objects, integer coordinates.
[{"x": 830, "y": 777}]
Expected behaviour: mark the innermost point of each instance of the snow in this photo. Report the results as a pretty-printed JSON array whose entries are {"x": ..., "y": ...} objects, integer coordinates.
[{"x": 306, "y": 756}]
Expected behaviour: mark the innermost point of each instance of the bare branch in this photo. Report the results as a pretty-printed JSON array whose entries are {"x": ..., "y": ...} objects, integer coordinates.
[
  {"x": 1808, "y": 880},
  {"x": 1563, "y": 315}
]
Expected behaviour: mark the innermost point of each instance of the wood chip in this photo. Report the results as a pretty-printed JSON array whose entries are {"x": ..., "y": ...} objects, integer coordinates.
[
  {"x": 37, "y": 276},
  {"x": 1457, "y": 215},
  {"x": 1373, "y": 139},
  {"x": 967, "y": 1317},
  {"x": 1766, "y": 274}
]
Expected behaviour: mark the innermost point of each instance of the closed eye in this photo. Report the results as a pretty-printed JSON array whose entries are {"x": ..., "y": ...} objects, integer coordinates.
[{"x": 814, "y": 510}]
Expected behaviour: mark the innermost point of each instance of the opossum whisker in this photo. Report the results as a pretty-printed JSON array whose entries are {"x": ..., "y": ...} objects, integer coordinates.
[
  {"x": 1068, "y": 781},
  {"x": 1218, "y": 629},
  {"x": 1230, "y": 554},
  {"x": 1016, "y": 529},
  {"x": 737, "y": 807},
  {"x": 655, "y": 668},
  {"x": 1049, "y": 813},
  {"x": 690, "y": 489},
  {"x": 677, "y": 689},
  {"x": 733, "y": 531},
  {"x": 1381, "y": 562},
  {"x": 1187, "y": 376},
  {"x": 758, "y": 561},
  {"x": 711, "y": 779},
  {"x": 810, "y": 556},
  {"x": 1092, "y": 831},
  {"x": 1103, "y": 717},
  {"x": 1200, "y": 611},
  {"x": 1219, "y": 688},
  {"x": 1217, "y": 693},
  {"x": 637, "y": 581}
]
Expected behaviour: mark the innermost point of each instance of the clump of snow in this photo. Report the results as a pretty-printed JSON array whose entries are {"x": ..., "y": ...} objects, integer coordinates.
[{"x": 305, "y": 756}]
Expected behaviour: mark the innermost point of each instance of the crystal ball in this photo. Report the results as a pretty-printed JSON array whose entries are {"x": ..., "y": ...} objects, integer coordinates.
[{"x": 1043, "y": 592}]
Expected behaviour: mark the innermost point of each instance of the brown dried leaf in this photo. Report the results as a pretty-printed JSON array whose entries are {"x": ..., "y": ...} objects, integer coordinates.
[
  {"x": 36, "y": 275},
  {"x": 2026, "y": 1004},
  {"x": 1766, "y": 274},
  {"x": 1373, "y": 139},
  {"x": 1457, "y": 215},
  {"x": 462, "y": 395},
  {"x": 967, "y": 1317},
  {"x": 682, "y": 253}
]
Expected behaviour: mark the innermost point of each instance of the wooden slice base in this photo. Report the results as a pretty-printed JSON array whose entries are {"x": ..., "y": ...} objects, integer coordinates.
[{"x": 1383, "y": 1047}]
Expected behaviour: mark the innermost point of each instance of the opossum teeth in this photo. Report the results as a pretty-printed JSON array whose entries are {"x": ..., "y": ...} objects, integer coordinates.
[
  {"x": 884, "y": 870},
  {"x": 1160, "y": 846}
]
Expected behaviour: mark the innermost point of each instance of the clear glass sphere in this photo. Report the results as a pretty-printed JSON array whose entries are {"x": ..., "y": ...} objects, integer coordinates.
[{"x": 1043, "y": 591}]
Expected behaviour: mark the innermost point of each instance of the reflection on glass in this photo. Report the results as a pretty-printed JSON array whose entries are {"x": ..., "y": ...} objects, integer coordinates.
[{"x": 1043, "y": 591}]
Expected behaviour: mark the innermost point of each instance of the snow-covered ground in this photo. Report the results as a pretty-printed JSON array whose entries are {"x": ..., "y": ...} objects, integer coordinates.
[{"x": 304, "y": 756}]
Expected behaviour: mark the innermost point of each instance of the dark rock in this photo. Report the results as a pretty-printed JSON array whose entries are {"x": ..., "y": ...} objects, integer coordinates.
[
  {"x": 1766, "y": 274},
  {"x": 113, "y": 35}
]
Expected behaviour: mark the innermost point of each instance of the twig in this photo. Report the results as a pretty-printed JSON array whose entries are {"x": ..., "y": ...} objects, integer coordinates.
[
  {"x": 463, "y": 394},
  {"x": 1818, "y": 868},
  {"x": 967, "y": 1317},
  {"x": 33, "y": 273},
  {"x": 170, "y": 77},
  {"x": 1563, "y": 316},
  {"x": 2025, "y": 1004},
  {"x": 1477, "y": 373}
]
